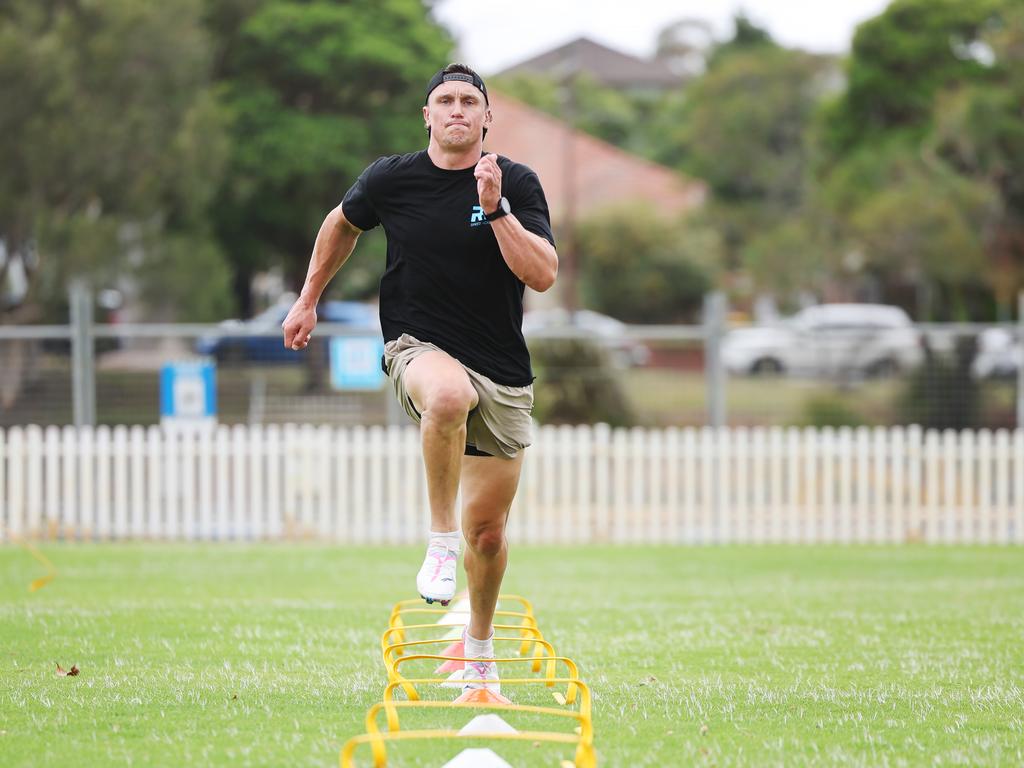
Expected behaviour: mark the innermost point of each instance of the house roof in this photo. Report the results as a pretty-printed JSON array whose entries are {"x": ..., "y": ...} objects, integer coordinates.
[
  {"x": 602, "y": 176},
  {"x": 606, "y": 65}
]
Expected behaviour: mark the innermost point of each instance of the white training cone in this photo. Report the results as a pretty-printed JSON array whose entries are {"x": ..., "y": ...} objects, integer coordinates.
[
  {"x": 490, "y": 723},
  {"x": 460, "y": 605},
  {"x": 449, "y": 619},
  {"x": 455, "y": 633},
  {"x": 476, "y": 758},
  {"x": 454, "y": 679}
]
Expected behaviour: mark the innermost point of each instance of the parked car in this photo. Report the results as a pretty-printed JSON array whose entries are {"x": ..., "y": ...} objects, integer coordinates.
[
  {"x": 827, "y": 340},
  {"x": 611, "y": 333},
  {"x": 997, "y": 356},
  {"x": 260, "y": 338}
]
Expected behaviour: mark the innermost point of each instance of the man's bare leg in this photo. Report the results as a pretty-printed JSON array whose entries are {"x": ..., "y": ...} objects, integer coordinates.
[
  {"x": 444, "y": 396},
  {"x": 488, "y": 487}
]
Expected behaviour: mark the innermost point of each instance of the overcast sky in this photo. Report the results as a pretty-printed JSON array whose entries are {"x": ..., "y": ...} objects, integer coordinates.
[{"x": 494, "y": 35}]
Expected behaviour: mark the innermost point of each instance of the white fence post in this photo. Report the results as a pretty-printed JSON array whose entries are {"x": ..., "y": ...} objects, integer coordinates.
[{"x": 580, "y": 484}]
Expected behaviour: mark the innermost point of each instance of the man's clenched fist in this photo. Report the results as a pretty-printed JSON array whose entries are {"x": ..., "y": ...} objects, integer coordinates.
[{"x": 298, "y": 326}]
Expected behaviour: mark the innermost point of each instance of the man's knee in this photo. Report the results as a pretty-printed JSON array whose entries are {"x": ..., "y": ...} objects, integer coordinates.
[
  {"x": 486, "y": 539},
  {"x": 449, "y": 403}
]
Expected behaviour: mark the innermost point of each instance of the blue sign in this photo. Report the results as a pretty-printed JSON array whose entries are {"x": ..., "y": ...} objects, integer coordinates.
[
  {"x": 188, "y": 391},
  {"x": 355, "y": 362}
]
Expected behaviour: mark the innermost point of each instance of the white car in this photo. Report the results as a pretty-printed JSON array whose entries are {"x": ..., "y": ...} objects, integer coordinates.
[
  {"x": 998, "y": 356},
  {"x": 827, "y": 340},
  {"x": 625, "y": 352}
]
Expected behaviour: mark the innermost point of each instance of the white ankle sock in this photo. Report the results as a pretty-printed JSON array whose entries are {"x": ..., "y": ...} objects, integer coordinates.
[
  {"x": 450, "y": 539},
  {"x": 476, "y": 649}
]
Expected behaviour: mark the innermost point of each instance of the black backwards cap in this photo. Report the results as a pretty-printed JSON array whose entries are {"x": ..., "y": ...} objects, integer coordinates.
[{"x": 444, "y": 77}]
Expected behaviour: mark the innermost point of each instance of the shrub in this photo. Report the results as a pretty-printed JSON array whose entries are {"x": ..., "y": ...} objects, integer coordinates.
[{"x": 577, "y": 384}]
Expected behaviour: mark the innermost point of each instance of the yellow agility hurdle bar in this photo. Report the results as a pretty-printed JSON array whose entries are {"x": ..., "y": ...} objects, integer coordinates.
[
  {"x": 413, "y": 695},
  {"x": 395, "y": 621},
  {"x": 535, "y": 663},
  {"x": 390, "y": 708},
  {"x": 584, "y": 758},
  {"x": 574, "y": 686},
  {"x": 385, "y": 640},
  {"x": 396, "y": 650},
  {"x": 572, "y": 683}
]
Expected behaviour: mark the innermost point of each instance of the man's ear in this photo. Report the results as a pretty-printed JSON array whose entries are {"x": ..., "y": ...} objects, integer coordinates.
[
  {"x": 488, "y": 117},
  {"x": 426, "y": 116}
]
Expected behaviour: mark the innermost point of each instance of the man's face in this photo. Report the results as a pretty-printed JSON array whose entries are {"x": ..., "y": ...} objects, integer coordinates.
[{"x": 456, "y": 113}]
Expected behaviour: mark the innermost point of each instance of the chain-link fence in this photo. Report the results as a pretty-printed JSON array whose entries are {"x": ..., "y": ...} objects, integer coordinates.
[{"x": 589, "y": 369}]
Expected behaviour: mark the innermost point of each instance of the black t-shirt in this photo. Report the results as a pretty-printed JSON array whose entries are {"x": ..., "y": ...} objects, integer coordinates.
[{"x": 446, "y": 281}]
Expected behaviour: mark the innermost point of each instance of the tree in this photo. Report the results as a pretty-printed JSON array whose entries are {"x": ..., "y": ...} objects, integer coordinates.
[
  {"x": 112, "y": 148},
  {"x": 899, "y": 62},
  {"x": 316, "y": 90},
  {"x": 979, "y": 133},
  {"x": 642, "y": 268},
  {"x": 744, "y": 130},
  {"x": 918, "y": 160}
]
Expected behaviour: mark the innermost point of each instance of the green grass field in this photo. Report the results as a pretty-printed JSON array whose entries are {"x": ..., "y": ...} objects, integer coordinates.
[{"x": 268, "y": 654}]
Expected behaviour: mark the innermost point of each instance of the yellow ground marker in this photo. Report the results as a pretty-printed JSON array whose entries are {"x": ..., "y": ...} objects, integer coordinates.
[{"x": 51, "y": 571}]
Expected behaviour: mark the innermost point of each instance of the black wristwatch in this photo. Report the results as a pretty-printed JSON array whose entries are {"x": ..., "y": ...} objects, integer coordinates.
[{"x": 504, "y": 209}]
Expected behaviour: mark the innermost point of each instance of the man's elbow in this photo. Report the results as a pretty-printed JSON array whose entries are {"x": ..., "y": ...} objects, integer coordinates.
[{"x": 546, "y": 279}]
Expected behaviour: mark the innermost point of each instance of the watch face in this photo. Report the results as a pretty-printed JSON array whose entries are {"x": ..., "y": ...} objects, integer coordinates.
[{"x": 504, "y": 205}]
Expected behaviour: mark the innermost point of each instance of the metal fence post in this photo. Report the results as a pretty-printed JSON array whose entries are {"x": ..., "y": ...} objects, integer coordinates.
[
  {"x": 83, "y": 361},
  {"x": 1019, "y": 350},
  {"x": 714, "y": 371}
]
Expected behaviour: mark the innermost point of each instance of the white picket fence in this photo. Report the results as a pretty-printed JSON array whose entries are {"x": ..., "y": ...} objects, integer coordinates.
[{"x": 580, "y": 485}]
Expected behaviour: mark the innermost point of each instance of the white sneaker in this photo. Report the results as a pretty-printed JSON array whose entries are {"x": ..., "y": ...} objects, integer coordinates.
[
  {"x": 436, "y": 579},
  {"x": 481, "y": 673}
]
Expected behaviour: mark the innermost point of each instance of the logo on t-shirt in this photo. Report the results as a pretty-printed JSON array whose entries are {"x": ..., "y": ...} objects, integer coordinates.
[{"x": 476, "y": 218}]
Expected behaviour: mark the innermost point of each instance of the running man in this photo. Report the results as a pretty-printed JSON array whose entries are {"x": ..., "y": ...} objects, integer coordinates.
[{"x": 466, "y": 231}]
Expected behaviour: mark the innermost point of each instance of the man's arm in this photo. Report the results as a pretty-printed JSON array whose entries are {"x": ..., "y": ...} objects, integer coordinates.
[
  {"x": 334, "y": 243},
  {"x": 530, "y": 257}
]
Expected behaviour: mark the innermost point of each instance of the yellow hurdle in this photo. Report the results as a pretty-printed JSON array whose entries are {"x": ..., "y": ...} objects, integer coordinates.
[
  {"x": 573, "y": 685},
  {"x": 535, "y": 663},
  {"x": 391, "y": 710},
  {"x": 396, "y": 650},
  {"x": 396, "y": 623},
  {"x": 584, "y": 758},
  {"x": 386, "y": 641}
]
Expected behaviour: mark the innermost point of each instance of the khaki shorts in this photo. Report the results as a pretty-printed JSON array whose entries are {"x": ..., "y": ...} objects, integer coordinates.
[{"x": 500, "y": 425}]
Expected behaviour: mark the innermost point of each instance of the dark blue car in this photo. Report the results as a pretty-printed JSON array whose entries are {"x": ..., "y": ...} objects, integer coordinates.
[{"x": 260, "y": 338}]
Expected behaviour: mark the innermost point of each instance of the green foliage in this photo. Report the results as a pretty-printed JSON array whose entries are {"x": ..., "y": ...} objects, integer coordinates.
[
  {"x": 831, "y": 410},
  {"x": 745, "y": 126},
  {"x": 919, "y": 161},
  {"x": 110, "y": 127},
  {"x": 899, "y": 62},
  {"x": 926, "y": 226},
  {"x": 316, "y": 90},
  {"x": 746, "y": 37},
  {"x": 608, "y": 113},
  {"x": 786, "y": 258},
  {"x": 577, "y": 384},
  {"x": 642, "y": 268},
  {"x": 745, "y": 131}
]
